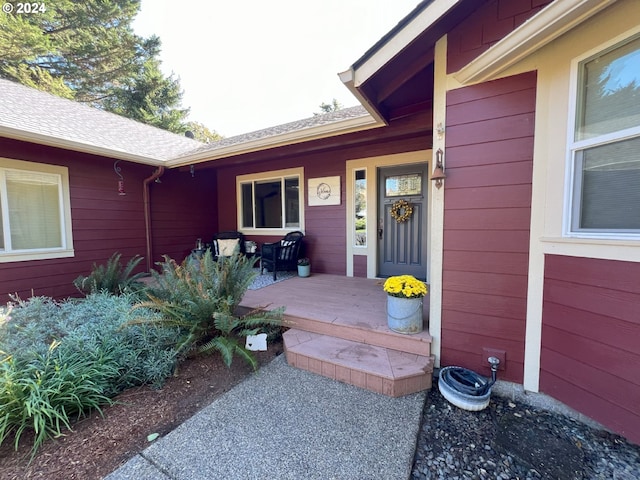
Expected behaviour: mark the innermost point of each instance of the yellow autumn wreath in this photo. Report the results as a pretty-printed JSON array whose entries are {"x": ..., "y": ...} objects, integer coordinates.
[{"x": 401, "y": 211}]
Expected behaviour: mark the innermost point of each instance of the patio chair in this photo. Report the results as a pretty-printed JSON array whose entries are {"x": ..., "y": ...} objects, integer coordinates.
[
  {"x": 225, "y": 244},
  {"x": 281, "y": 255}
]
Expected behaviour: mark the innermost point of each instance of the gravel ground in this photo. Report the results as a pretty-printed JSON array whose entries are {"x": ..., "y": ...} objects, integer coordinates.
[{"x": 514, "y": 440}]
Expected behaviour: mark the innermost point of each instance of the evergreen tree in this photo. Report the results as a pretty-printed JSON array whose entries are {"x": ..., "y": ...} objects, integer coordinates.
[
  {"x": 150, "y": 98},
  {"x": 334, "y": 106},
  {"x": 202, "y": 133},
  {"x": 87, "y": 51}
]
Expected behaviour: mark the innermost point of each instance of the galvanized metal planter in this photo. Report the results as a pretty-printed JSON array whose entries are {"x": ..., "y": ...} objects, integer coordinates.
[{"x": 404, "y": 315}]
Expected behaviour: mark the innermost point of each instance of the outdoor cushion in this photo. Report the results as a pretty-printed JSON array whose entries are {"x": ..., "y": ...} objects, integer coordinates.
[{"x": 226, "y": 247}]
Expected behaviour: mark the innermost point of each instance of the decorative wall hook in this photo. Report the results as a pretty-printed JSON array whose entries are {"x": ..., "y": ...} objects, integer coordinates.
[
  {"x": 438, "y": 174},
  {"x": 118, "y": 171}
]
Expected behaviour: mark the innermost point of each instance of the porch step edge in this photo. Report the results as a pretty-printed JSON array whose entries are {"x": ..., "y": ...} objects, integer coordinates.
[
  {"x": 419, "y": 344},
  {"x": 378, "y": 369}
]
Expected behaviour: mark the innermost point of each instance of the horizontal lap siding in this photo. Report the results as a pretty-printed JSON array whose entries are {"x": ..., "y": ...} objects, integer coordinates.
[
  {"x": 489, "y": 159},
  {"x": 183, "y": 210},
  {"x": 325, "y": 226},
  {"x": 590, "y": 356},
  {"x": 104, "y": 222}
]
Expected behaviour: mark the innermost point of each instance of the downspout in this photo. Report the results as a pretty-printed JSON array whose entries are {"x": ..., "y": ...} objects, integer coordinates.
[{"x": 147, "y": 213}]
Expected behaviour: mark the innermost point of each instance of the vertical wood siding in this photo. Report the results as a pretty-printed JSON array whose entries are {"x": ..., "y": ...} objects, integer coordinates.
[
  {"x": 590, "y": 355},
  {"x": 491, "y": 22},
  {"x": 489, "y": 161},
  {"x": 105, "y": 222}
]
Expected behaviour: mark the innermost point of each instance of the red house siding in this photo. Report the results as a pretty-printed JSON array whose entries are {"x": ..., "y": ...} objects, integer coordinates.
[
  {"x": 325, "y": 226},
  {"x": 489, "y": 161},
  {"x": 183, "y": 209},
  {"x": 590, "y": 355},
  {"x": 104, "y": 222},
  {"x": 487, "y": 25}
]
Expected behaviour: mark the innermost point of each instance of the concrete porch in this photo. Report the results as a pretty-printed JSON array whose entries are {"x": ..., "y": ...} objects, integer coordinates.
[{"x": 338, "y": 329}]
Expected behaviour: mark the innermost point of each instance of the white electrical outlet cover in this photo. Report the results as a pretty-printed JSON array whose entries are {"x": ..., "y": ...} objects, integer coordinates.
[{"x": 256, "y": 342}]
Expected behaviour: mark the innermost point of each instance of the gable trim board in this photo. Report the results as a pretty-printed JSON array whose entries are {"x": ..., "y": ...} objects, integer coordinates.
[{"x": 551, "y": 22}]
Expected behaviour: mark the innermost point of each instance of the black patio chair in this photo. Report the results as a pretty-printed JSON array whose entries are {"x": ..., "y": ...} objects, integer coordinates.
[
  {"x": 225, "y": 243},
  {"x": 281, "y": 255}
]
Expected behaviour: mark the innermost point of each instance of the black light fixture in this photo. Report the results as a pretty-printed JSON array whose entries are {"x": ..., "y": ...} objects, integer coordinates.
[
  {"x": 121, "y": 181},
  {"x": 438, "y": 174}
]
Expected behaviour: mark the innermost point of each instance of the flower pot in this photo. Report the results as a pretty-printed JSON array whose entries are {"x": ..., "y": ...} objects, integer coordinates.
[
  {"x": 304, "y": 270},
  {"x": 404, "y": 315}
]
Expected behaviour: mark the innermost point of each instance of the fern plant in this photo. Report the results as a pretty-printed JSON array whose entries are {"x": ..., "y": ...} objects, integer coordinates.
[
  {"x": 113, "y": 277},
  {"x": 202, "y": 299}
]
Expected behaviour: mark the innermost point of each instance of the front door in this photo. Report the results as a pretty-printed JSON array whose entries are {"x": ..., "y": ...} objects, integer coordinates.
[{"x": 402, "y": 220}]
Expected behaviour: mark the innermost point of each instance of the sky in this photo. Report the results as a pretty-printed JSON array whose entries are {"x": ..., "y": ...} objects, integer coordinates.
[{"x": 245, "y": 65}]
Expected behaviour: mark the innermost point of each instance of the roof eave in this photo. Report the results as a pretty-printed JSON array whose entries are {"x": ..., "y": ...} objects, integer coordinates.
[
  {"x": 347, "y": 78},
  {"x": 77, "y": 146},
  {"x": 547, "y": 25},
  {"x": 384, "y": 52},
  {"x": 342, "y": 127}
]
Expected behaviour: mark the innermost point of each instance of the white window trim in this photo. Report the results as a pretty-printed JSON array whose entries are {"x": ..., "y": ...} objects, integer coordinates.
[
  {"x": 271, "y": 175},
  {"x": 66, "y": 250},
  {"x": 574, "y": 146}
]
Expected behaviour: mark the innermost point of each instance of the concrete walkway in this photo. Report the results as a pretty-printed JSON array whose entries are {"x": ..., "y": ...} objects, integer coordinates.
[{"x": 284, "y": 423}]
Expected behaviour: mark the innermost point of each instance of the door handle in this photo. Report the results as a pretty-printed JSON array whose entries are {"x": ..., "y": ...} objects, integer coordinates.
[
  {"x": 380, "y": 228},
  {"x": 380, "y": 231}
]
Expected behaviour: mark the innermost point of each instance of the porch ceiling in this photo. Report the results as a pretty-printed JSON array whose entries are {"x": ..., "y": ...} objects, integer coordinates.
[{"x": 395, "y": 77}]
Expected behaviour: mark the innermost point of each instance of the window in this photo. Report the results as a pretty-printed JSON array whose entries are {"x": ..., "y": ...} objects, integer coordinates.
[
  {"x": 270, "y": 201},
  {"x": 34, "y": 211},
  {"x": 360, "y": 203},
  {"x": 605, "y": 149}
]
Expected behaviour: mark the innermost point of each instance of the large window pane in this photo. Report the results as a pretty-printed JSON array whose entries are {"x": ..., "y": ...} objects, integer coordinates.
[
  {"x": 247, "y": 205},
  {"x": 292, "y": 202},
  {"x": 268, "y": 204},
  {"x": 34, "y": 210},
  {"x": 609, "y": 98},
  {"x": 607, "y": 190}
]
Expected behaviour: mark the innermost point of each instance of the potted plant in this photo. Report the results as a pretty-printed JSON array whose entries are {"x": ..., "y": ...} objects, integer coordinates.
[
  {"x": 304, "y": 267},
  {"x": 404, "y": 303}
]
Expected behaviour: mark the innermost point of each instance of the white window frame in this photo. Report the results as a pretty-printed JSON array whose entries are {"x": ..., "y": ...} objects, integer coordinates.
[
  {"x": 272, "y": 175},
  {"x": 66, "y": 250},
  {"x": 571, "y": 209}
]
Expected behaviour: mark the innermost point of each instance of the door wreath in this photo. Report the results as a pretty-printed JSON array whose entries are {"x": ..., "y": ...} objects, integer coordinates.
[{"x": 401, "y": 211}]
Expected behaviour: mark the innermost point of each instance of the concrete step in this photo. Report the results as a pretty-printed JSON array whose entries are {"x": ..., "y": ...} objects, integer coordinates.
[
  {"x": 383, "y": 370},
  {"x": 365, "y": 329}
]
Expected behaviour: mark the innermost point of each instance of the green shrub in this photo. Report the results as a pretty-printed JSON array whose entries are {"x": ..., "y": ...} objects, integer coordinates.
[
  {"x": 201, "y": 298},
  {"x": 112, "y": 278},
  {"x": 145, "y": 354},
  {"x": 63, "y": 359},
  {"x": 361, "y": 224}
]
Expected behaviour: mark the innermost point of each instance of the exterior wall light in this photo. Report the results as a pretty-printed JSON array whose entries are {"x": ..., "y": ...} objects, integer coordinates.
[{"x": 438, "y": 174}]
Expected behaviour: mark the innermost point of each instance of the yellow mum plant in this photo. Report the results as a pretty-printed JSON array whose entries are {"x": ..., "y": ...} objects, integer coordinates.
[{"x": 405, "y": 286}]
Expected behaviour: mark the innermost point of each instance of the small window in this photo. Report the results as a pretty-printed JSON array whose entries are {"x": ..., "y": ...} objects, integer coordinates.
[
  {"x": 270, "y": 202},
  {"x": 34, "y": 215},
  {"x": 605, "y": 151},
  {"x": 360, "y": 212}
]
